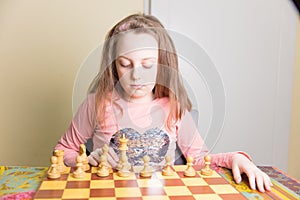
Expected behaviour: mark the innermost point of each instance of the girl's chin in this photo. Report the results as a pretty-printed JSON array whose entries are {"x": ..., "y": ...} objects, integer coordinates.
[{"x": 139, "y": 97}]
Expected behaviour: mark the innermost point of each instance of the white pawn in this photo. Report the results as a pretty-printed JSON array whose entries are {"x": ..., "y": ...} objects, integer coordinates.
[
  {"x": 190, "y": 171},
  {"x": 79, "y": 173},
  {"x": 206, "y": 171},
  {"x": 167, "y": 171},
  {"x": 147, "y": 170},
  {"x": 53, "y": 172}
]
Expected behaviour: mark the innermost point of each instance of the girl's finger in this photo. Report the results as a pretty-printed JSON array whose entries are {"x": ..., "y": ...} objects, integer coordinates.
[{"x": 236, "y": 174}]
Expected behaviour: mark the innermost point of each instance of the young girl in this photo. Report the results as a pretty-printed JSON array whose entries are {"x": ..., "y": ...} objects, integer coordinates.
[{"x": 138, "y": 92}]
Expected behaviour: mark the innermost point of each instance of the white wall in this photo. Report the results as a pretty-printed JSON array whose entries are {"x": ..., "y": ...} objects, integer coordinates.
[{"x": 252, "y": 46}]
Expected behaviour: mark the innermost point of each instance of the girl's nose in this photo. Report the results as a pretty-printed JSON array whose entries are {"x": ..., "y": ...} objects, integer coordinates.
[{"x": 136, "y": 72}]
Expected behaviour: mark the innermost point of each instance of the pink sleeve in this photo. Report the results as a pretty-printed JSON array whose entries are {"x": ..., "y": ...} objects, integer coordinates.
[
  {"x": 80, "y": 130},
  {"x": 191, "y": 144},
  {"x": 224, "y": 159}
]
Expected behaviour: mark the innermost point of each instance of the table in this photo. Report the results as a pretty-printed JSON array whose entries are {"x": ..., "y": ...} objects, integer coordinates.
[{"x": 21, "y": 182}]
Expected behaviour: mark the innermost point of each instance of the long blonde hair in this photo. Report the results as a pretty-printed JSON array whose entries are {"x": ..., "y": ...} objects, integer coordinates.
[{"x": 168, "y": 80}]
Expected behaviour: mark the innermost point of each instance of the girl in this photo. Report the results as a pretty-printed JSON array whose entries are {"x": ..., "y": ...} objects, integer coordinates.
[{"x": 138, "y": 92}]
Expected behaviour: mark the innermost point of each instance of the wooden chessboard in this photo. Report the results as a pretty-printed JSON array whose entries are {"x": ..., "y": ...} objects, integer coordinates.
[{"x": 133, "y": 187}]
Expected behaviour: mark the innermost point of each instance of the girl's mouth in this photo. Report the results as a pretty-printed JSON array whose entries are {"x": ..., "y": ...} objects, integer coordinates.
[{"x": 137, "y": 86}]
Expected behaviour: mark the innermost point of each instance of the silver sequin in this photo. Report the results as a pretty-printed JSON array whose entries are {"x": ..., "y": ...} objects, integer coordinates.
[{"x": 153, "y": 143}]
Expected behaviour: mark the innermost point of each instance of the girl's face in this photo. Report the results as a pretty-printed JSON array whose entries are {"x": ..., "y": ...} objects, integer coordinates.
[{"x": 136, "y": 63}]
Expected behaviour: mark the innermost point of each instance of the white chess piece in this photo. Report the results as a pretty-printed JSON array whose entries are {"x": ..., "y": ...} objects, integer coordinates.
[
  {"x": 53, "y": 172},
  {"x": 79, "y": 172},
  {"x": 147, "y": 170},
  {"x": 190, "y": 171},
  {"x": 167, "y": 171}
]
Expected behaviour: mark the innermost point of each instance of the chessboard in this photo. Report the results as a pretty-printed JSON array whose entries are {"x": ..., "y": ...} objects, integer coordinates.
[{"x": 158, "y": 186}]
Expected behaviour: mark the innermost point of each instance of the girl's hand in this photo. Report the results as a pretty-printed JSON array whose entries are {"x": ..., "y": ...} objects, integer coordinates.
[
  {"x": 257, "y": 178},
  {"x": 94, "y": 157}
]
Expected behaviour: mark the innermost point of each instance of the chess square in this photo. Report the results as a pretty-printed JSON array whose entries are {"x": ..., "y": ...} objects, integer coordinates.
[
  {"x": 102, "y": 184},
  {"x": 214, "y": 175},
  {"x": 94, "y": 176},
  {"x": 44, "y": 199},
  {"x": 179, "y": 168},
  {"x": 78, "y": 184},
  {"x": 48, "y": 194},
  {"x": 224, "y": 189},
  {"x": 132, "y": 176},
  {"x": 88, "y": 171},
  {"x": 76, "y": 193},
  {"x": 200, "y": 189},
  {"x": 160, "y": 176},
  {"x": 102, "y": 192},
  {"x": 215, "y": 181},
  {"x": 194, "y": 181},
  {"x": 94, "y": 170},
  {"x": 177, "y": 190},
  {"x": 125, "y": 183},
  {"x": 159, "y": 197},
  {"x": 172, "y": 182},
  {"x": 153, "y": 191},
  {"x": 181, "y": 175},
  {"x": 207, "y": 197},
  {"x": 63, "y": 177},
  {"x": 232, "y": 196},
  {"x": 128, "y": 192},
  {"x": 153, "y": 176},
  {"x": 86, "y": 177},
  {"x": 182, "y": 197},
  {"x": 52, "y": 185},
  {"x": 149, "y": 183}
]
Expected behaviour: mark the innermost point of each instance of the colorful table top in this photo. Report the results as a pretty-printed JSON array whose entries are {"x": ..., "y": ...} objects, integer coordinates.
[{"x": 21, "y": 182}]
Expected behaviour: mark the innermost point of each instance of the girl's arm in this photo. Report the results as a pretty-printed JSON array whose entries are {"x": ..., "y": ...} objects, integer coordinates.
[
  {"x": 191, "y": 143},
  {"x": 80, "y": 130}
]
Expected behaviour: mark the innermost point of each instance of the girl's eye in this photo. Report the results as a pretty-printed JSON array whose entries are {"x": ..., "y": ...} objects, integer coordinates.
[
  {"x": 148, "y": 65},
  {"x": 125, "y": 65}
]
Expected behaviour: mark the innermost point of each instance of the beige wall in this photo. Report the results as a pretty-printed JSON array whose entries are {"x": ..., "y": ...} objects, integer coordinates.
[
  {"x": 294, "y": 158},
  {"x": 42, "y": 44}
]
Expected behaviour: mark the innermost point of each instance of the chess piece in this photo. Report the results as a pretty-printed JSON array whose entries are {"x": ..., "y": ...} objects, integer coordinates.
[
  {"x": 105, "y": 153},
  {"x": 60, "y": 160},
  {"x": 206, "y": 171},
  {"x": 167, "y": 171},
  {"x": 125, "y": 167},
  {"x": 147, "y": 170},
  {"x": 85, "y": 160},
  {"x": 103, "y": 169},
  {"x": 53, "y": 172},
  {"x": 123, "y": 161},
  {"x": 190, "y": 171},
  {"x": 79, "y": 173},
  {"x": 123, "y": 143}
]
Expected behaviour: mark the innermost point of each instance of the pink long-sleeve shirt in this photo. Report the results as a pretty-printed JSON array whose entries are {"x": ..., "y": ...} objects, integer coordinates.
[{"x": 145, "y": 127}]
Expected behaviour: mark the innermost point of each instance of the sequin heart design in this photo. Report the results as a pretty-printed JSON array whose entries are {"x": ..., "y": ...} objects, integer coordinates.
[{"x": 154, "y": 143}]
